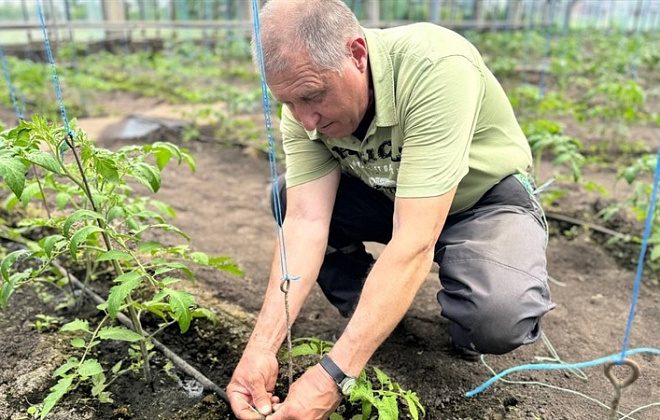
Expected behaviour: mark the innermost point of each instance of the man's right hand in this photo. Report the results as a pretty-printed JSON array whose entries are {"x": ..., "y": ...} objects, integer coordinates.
[{"x": 251, "y": 387}]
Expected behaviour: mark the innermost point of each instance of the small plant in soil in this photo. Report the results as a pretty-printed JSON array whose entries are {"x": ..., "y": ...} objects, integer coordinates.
[
  {"x": 373, "y": 397},
  {"x": 96, "y": 222}
]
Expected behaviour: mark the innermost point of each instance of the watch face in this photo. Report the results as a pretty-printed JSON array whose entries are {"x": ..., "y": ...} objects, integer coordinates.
[{"x": 347, "y": 385}]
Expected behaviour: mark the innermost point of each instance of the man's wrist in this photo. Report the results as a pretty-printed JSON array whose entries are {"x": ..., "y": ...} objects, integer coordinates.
[{"x": 344, "y": 382}]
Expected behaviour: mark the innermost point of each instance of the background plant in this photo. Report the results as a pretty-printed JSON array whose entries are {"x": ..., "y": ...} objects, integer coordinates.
[{"x": 95, "y": 218}]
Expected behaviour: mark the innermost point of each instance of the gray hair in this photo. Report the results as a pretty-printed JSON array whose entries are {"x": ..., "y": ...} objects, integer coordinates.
[{"x": 318, "y": 28}]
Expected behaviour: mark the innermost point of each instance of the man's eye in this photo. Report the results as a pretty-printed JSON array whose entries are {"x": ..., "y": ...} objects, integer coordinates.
[{"x": 314, "y": 99}]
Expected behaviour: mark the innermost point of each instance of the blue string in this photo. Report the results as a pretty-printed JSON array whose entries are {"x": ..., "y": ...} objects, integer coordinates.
[
  {"x": 650, "y": 216},
  {"x": 557, "y": 366},
  {"x": 271, "y": 143},
  {"x": 58, "y": 89},
  {"x": 12, "y": 93},
  {"x": 619, "y": 357}
]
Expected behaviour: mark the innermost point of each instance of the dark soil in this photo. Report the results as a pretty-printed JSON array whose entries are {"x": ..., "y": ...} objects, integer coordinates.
[{"x": 224, "y": 208}]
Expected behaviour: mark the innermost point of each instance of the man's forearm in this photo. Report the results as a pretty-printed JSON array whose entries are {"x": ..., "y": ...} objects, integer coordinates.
[
  {"x": 388, "y": 293},
  {"x": 305, "y": 250}
]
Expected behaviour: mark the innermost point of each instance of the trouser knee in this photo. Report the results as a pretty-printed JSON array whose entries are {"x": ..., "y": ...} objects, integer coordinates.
[{"x": 495, "y": 335}]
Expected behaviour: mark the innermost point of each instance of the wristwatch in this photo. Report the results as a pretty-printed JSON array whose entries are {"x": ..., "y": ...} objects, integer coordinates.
[{"x": 344, "y": 382}]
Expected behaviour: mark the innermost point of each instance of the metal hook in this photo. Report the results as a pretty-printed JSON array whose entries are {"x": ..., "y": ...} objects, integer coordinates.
[{"x": 618, "y": 384}]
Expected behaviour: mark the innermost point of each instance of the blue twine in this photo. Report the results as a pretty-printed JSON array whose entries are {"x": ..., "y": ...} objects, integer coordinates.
[
  {"x": 12, "y": 93},
  {"x": 58, "y": 89},
  {"x": 557, "y": 366},
  {"x": 650, "y": 215},
  {"x": 619, "y": 357},
  {"x": 271, "y": 144}
]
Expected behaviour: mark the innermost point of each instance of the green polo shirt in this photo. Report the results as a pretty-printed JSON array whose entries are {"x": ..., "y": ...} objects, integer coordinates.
[{"x": 442, "y": 119}]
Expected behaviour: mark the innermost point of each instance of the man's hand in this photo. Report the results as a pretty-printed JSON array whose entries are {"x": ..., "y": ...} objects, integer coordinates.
[
  {"x": 314, "y": 396},
  {"x": 251, "y": 387}
]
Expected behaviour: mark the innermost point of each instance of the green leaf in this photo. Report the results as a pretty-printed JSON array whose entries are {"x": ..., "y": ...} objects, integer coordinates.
[
  {"x": 305, "y": 349},
  {"x": 12, "y": 170},
  {"x": 30, "y": 191},
  {"x": 225, "y": 264},
  {"x": 81, "y": 236},
  {"x": 76, "y": 325},
  {"x": 70, "y": 364},
  {"x": 114, "y": 254},
  {"x": 191, "y": 162},
  {"x": 387, "y": 408},
  {"x": 56, "y": 393},
  {"x": 9, "y": 260},
  {"x": 205, "y": 313},
  {"x": 79, "y": 215},
  {"x": 114, "y": 213},
  {"x": 49, "y": 243},
  {"x": 119, "y": 333},
  {"x": 147, "y": 175},
  {"x": 150, "y": 246},
  {"x": 200, "y": 258},
  {"x": 382, "y": 377},
  {"x": 413, "y": 404},
  {"x": 180, "y": 302},
  {"x": 118, "y": 293},
  {"x": 107, "y": 168},
  {"x": 78, "y": 343},
  {"x": 61, "y": 199},
  {"x": 89, "y": 368},
  {"x": 117, "y": 367},
  {"x": 45, "y": 160},
  {"x": 655, "y": 253}
]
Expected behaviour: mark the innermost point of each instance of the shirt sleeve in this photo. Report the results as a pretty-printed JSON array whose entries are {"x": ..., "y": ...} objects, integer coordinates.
[
  {"x": 440, "y": 108},
  {"x": 306, "y": 159}
]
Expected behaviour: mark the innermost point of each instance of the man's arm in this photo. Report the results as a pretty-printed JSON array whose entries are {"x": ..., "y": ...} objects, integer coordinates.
[
  {"x": 394, "y": 280},
  {"x": 306, "y": 226}
]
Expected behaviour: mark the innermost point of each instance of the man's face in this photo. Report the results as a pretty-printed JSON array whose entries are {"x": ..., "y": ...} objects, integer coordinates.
[{"x": 331, "y": 102}]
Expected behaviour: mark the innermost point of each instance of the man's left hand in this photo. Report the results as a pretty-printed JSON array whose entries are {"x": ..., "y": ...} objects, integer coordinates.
[{"x": 314, "y": 396}]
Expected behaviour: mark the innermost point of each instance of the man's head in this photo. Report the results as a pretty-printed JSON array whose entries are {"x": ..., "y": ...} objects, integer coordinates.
[{"x": 315, "y": 58}]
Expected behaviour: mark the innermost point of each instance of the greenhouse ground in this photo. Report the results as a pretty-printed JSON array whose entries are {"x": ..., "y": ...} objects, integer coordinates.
[{"x": 224, "y": 208}]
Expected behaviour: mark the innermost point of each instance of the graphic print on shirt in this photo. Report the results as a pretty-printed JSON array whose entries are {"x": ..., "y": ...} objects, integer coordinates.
[{"x": 374, "y": 164}]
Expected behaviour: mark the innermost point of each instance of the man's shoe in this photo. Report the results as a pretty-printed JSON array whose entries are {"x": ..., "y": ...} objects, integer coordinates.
[{"x": 464, "y": 353}]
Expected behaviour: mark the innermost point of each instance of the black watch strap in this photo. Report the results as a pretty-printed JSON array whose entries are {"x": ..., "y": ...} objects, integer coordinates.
[
  {"x": 345, "y": 383},
  {"x": 333, "y": 370}
]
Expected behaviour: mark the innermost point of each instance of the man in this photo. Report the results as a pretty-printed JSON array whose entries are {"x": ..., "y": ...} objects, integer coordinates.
[{"x": 400, "y": 136}]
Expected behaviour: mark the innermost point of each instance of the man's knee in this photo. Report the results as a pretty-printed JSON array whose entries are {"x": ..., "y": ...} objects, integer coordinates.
[
  {"x": 497, "y": 334},
  {"x": 497, "y": 320}
]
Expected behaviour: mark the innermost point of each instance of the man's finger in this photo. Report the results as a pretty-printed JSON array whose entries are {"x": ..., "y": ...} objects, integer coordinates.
[{"x": 262, "y": 402}]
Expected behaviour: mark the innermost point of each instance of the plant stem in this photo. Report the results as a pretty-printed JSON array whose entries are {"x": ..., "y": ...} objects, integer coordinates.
[{"x": 131, "y": 310}]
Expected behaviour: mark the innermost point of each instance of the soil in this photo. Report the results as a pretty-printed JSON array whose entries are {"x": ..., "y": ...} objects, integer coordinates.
[{"x": 224, "y": 208}]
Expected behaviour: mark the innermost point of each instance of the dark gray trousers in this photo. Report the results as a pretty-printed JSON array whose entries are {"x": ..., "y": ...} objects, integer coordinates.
[{"x": 491, "y": 257}]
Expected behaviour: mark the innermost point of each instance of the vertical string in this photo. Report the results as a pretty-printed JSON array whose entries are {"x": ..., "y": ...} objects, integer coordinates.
[
  {"x": 49, "y": 52},
  {"x": 10, "y": 85},
  {"x": 650, "y": 216}
]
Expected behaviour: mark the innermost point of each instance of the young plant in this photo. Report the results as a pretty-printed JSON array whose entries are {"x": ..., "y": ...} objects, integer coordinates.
[
  {"x": 384, "y": 398},
  {"x": 98, "y": 220}
]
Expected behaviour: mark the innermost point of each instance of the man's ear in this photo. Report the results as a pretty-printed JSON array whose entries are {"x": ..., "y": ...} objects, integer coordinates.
[{"x": 358, "y": 48}]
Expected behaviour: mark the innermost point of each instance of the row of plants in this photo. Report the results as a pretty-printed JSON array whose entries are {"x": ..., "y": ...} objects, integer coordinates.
[{"x": 93, "y": 210}]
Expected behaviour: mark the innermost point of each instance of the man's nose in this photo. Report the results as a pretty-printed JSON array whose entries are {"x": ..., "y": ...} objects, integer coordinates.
[{"x": 309, "y": 119}]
